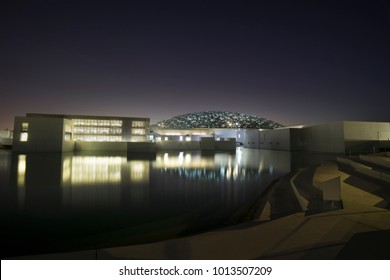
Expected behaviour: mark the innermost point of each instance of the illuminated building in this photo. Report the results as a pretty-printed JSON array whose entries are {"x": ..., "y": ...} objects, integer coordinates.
[
  {"x": 222, "y": 126},
  {"x": 49, "y": 132}
]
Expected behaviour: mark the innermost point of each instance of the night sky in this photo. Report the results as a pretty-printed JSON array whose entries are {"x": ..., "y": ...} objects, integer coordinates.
[{"x": 294, "y": 62}]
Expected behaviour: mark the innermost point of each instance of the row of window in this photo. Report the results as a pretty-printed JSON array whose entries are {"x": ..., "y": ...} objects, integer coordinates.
[
  {"x": 137, "y": 124},
  {"x": 92, "y": 130},
  {"x": 106, "y": 138},
  {"x": 84, "y": 122},
  {"x": 97, "y": 130}
]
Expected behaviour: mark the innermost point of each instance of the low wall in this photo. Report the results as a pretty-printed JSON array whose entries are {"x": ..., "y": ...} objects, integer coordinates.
[
  {"x": 352, "y": 163},
  {"x": 141, "y": 147},
  {"x": 325, "y": 180},
  {"x": 376, "y": 160},
  {"x": 178, "y": 145},
  {"x": 207, "y": 144},
  {"x": 366, "y": 170},
  {"x": 225, "y": 145},
  {"x": 100, "y": 146}
]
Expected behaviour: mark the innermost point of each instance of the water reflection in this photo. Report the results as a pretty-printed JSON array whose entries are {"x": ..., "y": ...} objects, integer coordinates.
[
  {"x": 139, "y": 171},
  {"x": 175, "y": 193},
  {"x": 21, "y": 179},
  {"x": 87, "y": 170},
  {"x": 99, "y": 181}
]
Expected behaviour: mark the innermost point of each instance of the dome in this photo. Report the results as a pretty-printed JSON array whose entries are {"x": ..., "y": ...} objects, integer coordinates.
[{"x": 215, "y": 119}]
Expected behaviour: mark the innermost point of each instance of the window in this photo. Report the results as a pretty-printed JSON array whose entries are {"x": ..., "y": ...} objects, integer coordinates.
[
  {"x": 68, "y": 136},
  {"x": 88, "y": 122},
  {"x": 138, "y": 131},
  {"x": 24, "y": 132},
  {"x": 24, "y": 127},
  {"x": 23, "y": 136},
  {"x": 138, "y": 124}
]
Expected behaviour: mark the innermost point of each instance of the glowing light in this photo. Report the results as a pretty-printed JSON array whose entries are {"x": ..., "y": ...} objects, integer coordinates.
[
  {"x": 181, "y": 158},
  {"x": 93, "y": 169},
  {"x": 166, "y": 158},
  {"x": 188, "y": 138},
  {"x": 239, "y": 156},
  {"x": 139, "y": 171},
  {"x": 188, "y": 158},
  {"x": 21, "y": 170},
  {"x": 66, "y": 170},
  {"x": 23, "y": 136}
]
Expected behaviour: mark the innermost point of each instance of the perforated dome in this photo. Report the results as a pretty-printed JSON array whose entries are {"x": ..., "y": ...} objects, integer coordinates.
[{"x": 215, "y": 119}]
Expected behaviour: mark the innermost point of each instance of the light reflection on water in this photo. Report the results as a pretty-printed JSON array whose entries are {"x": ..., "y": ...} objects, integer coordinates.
[{"x": 135, "y": 199}]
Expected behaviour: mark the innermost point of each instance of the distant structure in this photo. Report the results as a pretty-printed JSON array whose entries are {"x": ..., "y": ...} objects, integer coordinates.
[
  {"x": 196, "y": 131},
  {"x": 218, "y": 126},
  {"x": 215, "y": 119}
]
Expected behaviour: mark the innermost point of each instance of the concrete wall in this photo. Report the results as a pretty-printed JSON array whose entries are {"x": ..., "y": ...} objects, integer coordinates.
[
  {"x": 178, "y": 145},
  {"x": 141, "y": 147},
  {"x": 366, "y": 131},
  {"x": 228, "y": 144},
  {"x": 250, "y": 138},
  {"x": 278, "y": 139},
  {"x": 44, "y": 134},
  {"x": 325, "y": 138},
  {"x": 100, "y": 146},
  {"x": 207, "y": 144}
]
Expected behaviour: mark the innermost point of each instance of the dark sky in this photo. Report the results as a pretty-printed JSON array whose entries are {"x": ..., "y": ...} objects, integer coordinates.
[{"x": 290, "y": 61}]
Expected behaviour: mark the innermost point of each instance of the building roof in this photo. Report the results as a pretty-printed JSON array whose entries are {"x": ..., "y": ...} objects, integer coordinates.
[
  {"x": 215, "y": 119},
  {"x": 66, "y": 116}
]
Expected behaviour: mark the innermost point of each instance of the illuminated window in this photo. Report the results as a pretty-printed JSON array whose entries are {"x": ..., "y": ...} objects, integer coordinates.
[
  {"x": 86, "y": 122},
  {"x": 23, "y": 136},
  {"x": 68, "y": 136},
  {"x": 138, "y": 124},
  {"x": 138, "y": 131},
  {"x": 181, "y": 138},
  {"x": 24, "y": 127},
  {"x": 188, "y": 138}
]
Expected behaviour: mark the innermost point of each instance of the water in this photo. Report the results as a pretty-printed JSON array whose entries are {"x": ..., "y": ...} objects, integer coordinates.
[{"x": 52, "y": 202}]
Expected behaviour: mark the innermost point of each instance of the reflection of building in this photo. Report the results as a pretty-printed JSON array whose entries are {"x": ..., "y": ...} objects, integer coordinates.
[{"x": 46, "y": 132}]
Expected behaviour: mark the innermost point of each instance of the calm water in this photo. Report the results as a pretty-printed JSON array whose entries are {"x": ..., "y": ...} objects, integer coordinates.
[{"x": 62, "y": 202}]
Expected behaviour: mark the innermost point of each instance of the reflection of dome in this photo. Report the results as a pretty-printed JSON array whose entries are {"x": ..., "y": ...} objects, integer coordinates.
[{"x": 215, "y": 119}]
